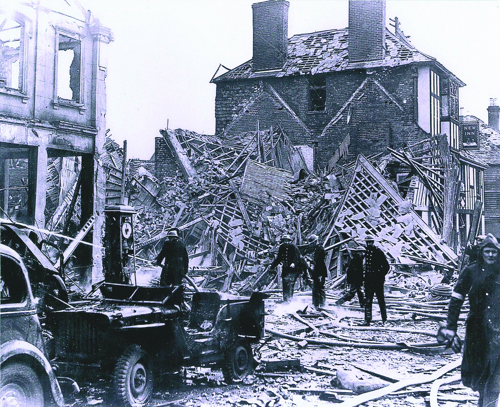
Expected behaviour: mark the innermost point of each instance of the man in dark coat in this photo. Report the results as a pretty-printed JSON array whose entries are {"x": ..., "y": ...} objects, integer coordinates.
[
  {"x": 318, "y": 271},
  {"x": 481, "y": 360},
  {"x": 376, "y": 267},
  {"x": 354, "y": 277},
  {"x": 293, "y": 265},
  {"x": 176, "y": 260}
]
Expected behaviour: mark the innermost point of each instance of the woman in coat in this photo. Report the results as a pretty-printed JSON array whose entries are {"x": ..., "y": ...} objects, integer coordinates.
[{"x": 481, "y": 359}]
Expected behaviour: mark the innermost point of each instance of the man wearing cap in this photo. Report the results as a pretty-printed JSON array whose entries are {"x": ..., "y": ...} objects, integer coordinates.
[
  {"x": 376, "y": 267},
  {"x": 176, "y": 259},
  {"x": 354, "y": 277},
  {"x": 318, "y": 271},
  {"x": 289, "y": 256}
]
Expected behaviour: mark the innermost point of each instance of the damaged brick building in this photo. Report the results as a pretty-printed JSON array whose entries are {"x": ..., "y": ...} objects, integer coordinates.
[
  {"x": 343, "y": 92},
  {"x": 52, "y": 118}
]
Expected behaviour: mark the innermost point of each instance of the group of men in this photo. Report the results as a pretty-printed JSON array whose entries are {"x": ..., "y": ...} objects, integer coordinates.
[
  {"x": 295, "y": 265},
  {"x": 368, "y": 266},
  {"x": 480, "y": 281}
]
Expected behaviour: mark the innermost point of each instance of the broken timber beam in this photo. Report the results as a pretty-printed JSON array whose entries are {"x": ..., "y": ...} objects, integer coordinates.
[
  {"x": 415, "y": 380},
  {"x": 179, "y": 153}
]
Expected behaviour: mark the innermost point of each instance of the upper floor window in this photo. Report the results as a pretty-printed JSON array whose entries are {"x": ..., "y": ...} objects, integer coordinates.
[
  {"x": 11, "y": 53},
  {"x": 69, "y": 63},
  {"x": 317, "y": 93},
  {"x": 435, "y": 104}
]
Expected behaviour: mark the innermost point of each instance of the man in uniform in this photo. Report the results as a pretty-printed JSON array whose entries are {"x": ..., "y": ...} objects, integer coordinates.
[
  {"x": 293, "y": 265},
  {"x": 354, "y": 277},
  {"x": 376, "y": 267},
  {"x": 176, "y": 260},
  {"x": 318, "y": 271}
]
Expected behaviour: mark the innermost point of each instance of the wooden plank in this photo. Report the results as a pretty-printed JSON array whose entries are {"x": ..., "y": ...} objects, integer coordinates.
[{"x": 412, "y": 381}]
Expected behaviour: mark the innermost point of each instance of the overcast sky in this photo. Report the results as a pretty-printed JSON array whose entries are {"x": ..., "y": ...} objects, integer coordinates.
[{"x": 166, "y": 51}]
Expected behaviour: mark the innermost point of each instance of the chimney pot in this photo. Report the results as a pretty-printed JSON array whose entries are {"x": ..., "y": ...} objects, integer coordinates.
[{"x": 494, "y": 114}]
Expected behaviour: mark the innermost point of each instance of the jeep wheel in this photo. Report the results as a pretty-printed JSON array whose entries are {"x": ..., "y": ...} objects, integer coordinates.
[
  {"x": 20, "y": 386},
  {"x": 133, "y": 377},
  {"x": 238, "y": 362}
]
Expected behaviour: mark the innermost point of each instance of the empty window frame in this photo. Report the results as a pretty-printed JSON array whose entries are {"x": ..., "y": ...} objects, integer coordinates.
[
  {"x": 69, "y": 68},
  {"x": 317, "y": 93},
  {"x": 11, "y": 53}
]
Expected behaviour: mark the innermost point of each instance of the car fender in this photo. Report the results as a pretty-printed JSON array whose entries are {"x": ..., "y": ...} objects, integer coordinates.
[{"x": 12, "y": 349}]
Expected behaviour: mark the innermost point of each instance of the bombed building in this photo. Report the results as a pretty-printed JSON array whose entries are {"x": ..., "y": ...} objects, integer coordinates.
[{"x": 52, "y": 119}]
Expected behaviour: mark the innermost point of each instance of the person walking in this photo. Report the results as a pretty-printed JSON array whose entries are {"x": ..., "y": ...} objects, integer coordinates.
[
  {"x": 176, "y": 260},
  {"x": 318, "y": 271},
  {"x": 354, "y": 277},
  {"x": 289, "y": 256},
  {"x": 481, "y": 358},
  {"x": 376, "y": 267}
]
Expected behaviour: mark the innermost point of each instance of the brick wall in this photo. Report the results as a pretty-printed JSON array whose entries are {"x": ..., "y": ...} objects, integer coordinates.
[
  {"x": 270, "y": 34},
  {"x": 233, "y": 105},
  {"x": 165, "y": 164},
  {"x": 366, "y": 30}
]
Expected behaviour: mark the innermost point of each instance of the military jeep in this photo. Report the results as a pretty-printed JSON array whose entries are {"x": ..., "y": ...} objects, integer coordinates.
[{"x": 134, "y": 333}]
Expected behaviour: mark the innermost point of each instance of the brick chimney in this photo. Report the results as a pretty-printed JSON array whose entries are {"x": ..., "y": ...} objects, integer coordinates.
[
  {"x": 493, "y": 114},
  {"x": 366, "y": 30},
  {"x": 270, "y": 34}
]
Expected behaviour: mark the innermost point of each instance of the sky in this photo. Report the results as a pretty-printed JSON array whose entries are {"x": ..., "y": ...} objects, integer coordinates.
[{"x": 165, "y": 53}]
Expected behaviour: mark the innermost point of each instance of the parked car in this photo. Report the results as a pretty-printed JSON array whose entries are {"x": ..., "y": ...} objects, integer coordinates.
[
  {"x": 132, "y": 333},
  {"x": 26, "y": 376}
]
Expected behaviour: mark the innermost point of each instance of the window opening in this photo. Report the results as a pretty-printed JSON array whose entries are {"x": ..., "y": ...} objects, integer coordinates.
[
  {"x": 11, "y": 43},
  {"x": 317, "y": 93},
  {"x": 13, "y": 288},
  {"x": 69, "y": 68}
]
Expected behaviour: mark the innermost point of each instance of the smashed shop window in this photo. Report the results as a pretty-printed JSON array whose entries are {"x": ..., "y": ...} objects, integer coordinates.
[
  {"x": 11, "y": 46},
  {"x": 69, "y": 68},
  {"x": 317, "y": 93}
]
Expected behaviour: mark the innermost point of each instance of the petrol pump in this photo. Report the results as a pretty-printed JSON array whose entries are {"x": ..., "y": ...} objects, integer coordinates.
[{"x": 119, "y": 260}]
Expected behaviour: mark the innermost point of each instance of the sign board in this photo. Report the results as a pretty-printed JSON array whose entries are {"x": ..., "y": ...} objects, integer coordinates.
[{"x": 470, "y": 134}]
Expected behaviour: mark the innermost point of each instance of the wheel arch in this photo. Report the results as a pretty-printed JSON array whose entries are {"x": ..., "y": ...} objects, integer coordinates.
[{"x": 20, "y": 351}]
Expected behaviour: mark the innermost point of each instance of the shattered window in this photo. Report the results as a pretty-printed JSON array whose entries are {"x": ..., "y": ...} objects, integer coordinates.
[
  {"x": 317, "y": 93},
  {"x": 11, "y": 46},
  {"x": 69, "y": 68}
]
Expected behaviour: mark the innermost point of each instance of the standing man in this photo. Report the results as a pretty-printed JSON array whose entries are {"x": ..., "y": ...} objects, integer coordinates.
[
  {"x": 376, "y": 267},
  {"x": 481, "y": 359},
  {"x": 354, "y": 277},
  {"x": 318, "y": 272},
  {"x": 176, "y": 259},
  {"x": 289, "y": 256}
]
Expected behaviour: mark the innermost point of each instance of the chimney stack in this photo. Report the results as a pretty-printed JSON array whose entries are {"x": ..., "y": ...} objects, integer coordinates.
[
  {"x": 270, "y": 34},
  {"x": 366, "y": 30},
  {"x": 493, "y": 114}
]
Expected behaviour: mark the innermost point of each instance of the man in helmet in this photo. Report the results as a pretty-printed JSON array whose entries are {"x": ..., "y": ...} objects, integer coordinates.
[
  {"x": 176, "y": 259},
  {"x": 318, "y": 271},
  {"x": 376, "y": 267},
  {"x": 293, "y": 265}
]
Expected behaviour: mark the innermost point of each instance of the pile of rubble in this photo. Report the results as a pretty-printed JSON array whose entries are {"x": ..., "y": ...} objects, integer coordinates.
[{"x": 236, "y": 197}]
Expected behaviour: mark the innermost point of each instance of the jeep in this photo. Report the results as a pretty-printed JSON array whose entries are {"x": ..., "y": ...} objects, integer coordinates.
[{"x": 132, "y": 333}]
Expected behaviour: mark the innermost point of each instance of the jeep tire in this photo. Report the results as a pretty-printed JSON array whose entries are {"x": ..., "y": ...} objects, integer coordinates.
[
  {"x": 20, "y": 386},
  {"x": 238, "y": 362},
  {"x": 133, "y": 377}
]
